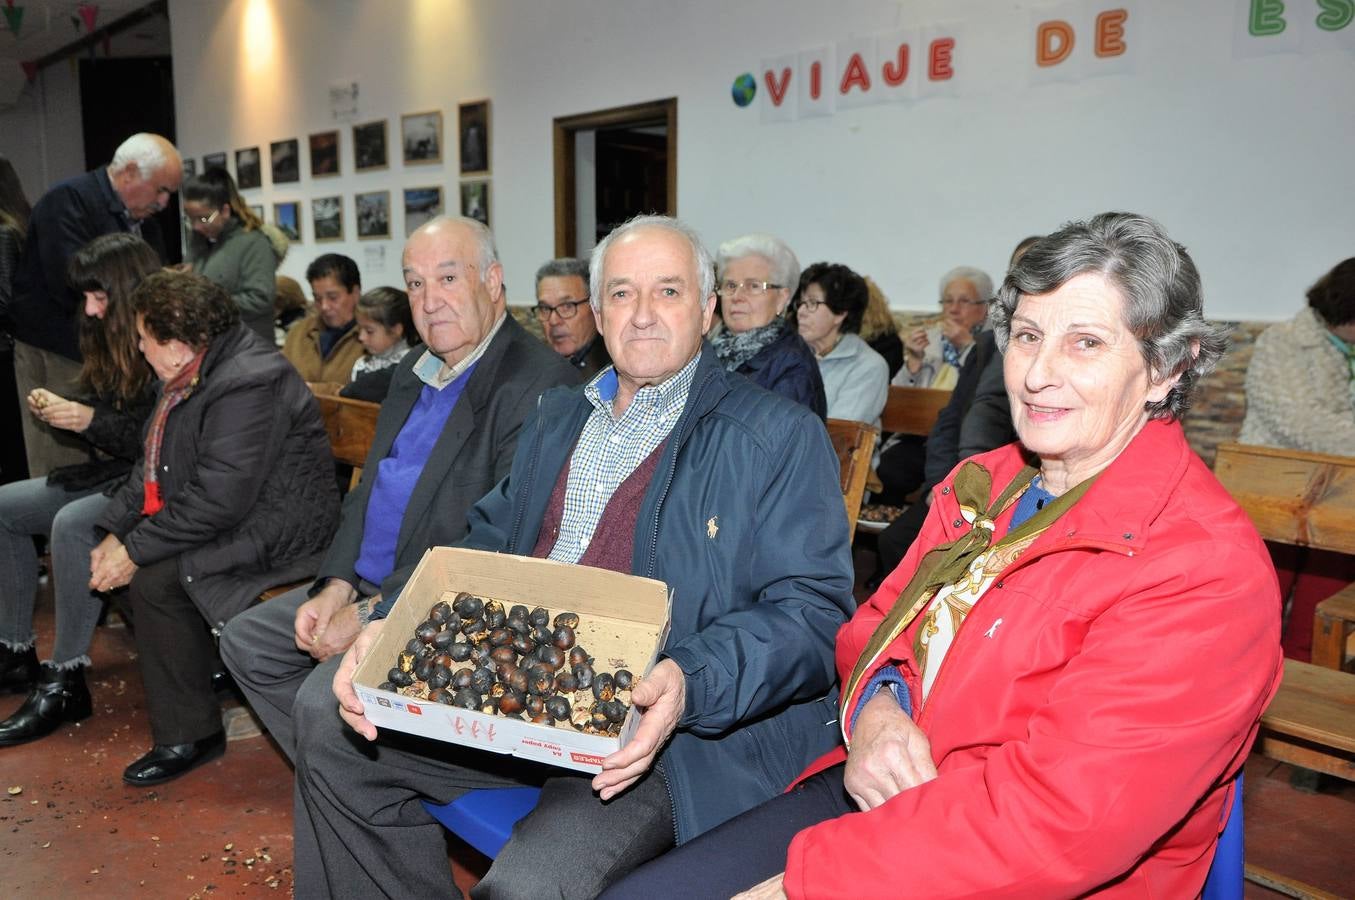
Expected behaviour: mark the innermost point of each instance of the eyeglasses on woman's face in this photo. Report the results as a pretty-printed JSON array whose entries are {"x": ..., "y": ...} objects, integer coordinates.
[{"x": 750, "y": 287}]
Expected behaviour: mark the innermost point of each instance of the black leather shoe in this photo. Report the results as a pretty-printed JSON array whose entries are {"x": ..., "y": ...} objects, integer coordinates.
[
  {"x": 18, "y": 670},
  {"x": 59, "y": 696},
  {"x": 169, "y": 761}
]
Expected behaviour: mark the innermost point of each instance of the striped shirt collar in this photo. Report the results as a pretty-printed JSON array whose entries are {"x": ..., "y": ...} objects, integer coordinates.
[
  {"x": 666, "y": 398},
  {"x": 432, "y": 371}
]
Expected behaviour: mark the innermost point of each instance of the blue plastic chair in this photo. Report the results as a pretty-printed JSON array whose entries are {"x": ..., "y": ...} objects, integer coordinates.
[
  {"x": 485, "y": 818},
  {"x": 1226, "y": 872}
]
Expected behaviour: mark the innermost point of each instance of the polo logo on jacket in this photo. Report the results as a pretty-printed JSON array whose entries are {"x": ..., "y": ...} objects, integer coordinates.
[
  {"x": 992, "y": 631},
  {"x": 712, "y": 527}
]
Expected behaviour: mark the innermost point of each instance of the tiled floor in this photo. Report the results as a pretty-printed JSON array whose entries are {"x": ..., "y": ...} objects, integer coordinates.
[{"x": 73, "y": 829}]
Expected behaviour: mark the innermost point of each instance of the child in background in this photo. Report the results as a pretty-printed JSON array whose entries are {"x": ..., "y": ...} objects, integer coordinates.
[{"x": 385, "y": 329}]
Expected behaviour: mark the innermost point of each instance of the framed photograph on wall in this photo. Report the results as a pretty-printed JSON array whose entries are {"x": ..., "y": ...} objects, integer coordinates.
[
  {"x": 421, "y": 138},
  {"x": 285, "y": 160},
  {"x": 190, "y": 167},
  {"x": 473, "y": 130},
  {"x": 324, "y": 154},
  {"x": 475, "y": 201},
  {"x": 421, "y": 204},
  {"x": 327, "y": 218},
  {"x": 373, "y": 211},
  {"x": 248, "y": 173},
  {"x": 214, "y": 161},
  {"x": 369, "y": 146},
  {"x": 287, "y": 216}
]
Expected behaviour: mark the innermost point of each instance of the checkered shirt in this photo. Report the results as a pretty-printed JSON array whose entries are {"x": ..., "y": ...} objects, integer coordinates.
[{"x": 610, "y": 448}]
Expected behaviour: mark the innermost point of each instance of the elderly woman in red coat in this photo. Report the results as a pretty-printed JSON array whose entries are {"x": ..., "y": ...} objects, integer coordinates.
[{"x": 1052, "y": 696}]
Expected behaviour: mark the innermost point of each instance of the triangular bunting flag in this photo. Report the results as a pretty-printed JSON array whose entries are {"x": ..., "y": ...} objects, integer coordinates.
[
  {"x": 14, "y": 15},
  {"x": 89, "y": 12},
  {"x": 30, "y": 69}
]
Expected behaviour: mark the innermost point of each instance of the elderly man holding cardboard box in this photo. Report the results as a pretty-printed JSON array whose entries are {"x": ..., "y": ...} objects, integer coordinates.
[{"x": 664, "y": 466}]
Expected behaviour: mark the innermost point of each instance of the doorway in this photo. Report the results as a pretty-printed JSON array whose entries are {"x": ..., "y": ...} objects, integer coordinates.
[{"x": 610, "y": 165}]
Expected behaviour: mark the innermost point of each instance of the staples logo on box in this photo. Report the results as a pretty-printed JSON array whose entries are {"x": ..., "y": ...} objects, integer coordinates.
[
  {"x": 591, "y": 759},
  {"x": 414, "y": 710},
  {"x": 382, "y": 701}
]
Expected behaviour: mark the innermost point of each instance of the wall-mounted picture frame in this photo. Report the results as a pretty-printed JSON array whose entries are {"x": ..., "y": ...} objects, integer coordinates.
[
  {"x": 369, "y": 146},
  {"x": 190, "y": 167},
  {"x": 214, "y": 161},
  {"x": 285, "y": 160},
  {"x": 248, "y": 172},
  {"x": 421, "y": 204},
  {"x": 373, "y": 213},
  {"x": 421, "y": 138},
  {"x": 327, "y": 218},
  {"x": 475, "y": 201},
  {"x": 473, "y": 132},
  {"x": 324, "y": 154},
  {"x": 287, "y": 216}
]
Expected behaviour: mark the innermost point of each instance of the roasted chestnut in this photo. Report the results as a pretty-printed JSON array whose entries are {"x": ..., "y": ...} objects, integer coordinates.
[
  {"x": 440, "y": 613},
  {"x": 512, "y": 702},
  {"x": 497, "y": 690},
  {"x": 466, "y": 699},
  {"x": 550, "y": 656},
  {"x": 399, "y": 679},
  {"x": 597, "y": 718},
  {"x": 414, "y": 645},
  {"x": 423, "y": 668},
  {"x": 579, "y": 656},
  {"x": 604, "y": 686},
  {"x": 441, "y": 676},
  {"x": 494, "y": 606},
  {"x": 444, "y": 639},
  {"x": 460, "y": 651},
  {"x": 475, "y": 629},
  {"x": 567, "y": 618},
  {"x": 540, "y": 680},
  {"x": 443, "y": 659},
  {"x": 500, "y": 637},
  {"x": 538, "y": 616},
  {"x": 440, "y": 695},
  {"x": 489, "y": 707},
  {"x": 614, "y": 710},
  {"x": 535, "y": 705},
  {"x": 540, "y": 634},
  {"x": 558, "y": 707},
  {"x": 481, "y": 679},
  {"x": 503, "y": 655},
  {"x": 427, "y": 631},
  {"x": 566, "y": 683},
  {"x": 406, "y": 661},
  {"x": 495, "y": 618},
  {"x": 517, "y": 679},
  {"x": 504, "y": 671},
  {"x": 563, "y": 637},
  {"x": 624, "y": 679},
  {"x": 584, "y": 676},
  {"x": 462, "y": 678},
  {"x": 518, "y": 625},
  {"x": 468, "y": 606},
  {"x": 541, "y": 718},
  {"x": 386, "y": 686},
  {"x": 523, "y": 644}
]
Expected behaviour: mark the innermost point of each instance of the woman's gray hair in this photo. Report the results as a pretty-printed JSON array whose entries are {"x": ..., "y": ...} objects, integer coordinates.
[
  {"x": 701, "y": 256},
  {"x": 785, "y": 267},
  {"x": 1159, "y": 284},
  {"x": 977, "y": 277},
  {"x": 144, "y": 151}
]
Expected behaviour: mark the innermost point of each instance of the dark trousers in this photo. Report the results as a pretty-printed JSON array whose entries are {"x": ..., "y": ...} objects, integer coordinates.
[
  {"x": 361, "y": 830},
  {"x": 177, "y": 656},
  {"x": 745, "y": 851},
  {"x": 901, "y": 468},
  {"x": 892, "y": 544}
]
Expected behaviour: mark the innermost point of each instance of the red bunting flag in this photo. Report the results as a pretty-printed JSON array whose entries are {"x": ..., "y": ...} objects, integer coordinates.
[
  {"x": 89, "y": 12},
  {"x": 30, "y": 69},
  {"x": 14, "y": 15}
]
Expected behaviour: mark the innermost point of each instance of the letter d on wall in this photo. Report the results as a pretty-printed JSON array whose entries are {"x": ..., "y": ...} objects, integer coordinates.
[{"x": 1053, "y": 42}]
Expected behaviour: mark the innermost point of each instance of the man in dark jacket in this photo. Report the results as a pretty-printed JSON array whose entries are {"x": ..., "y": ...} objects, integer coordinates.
[
  {"x": 566, "y": 316},
  {"x": 446, "y": 434},
  {"x": 120, "y": 197},
  {"x": 664, "y": 466}
]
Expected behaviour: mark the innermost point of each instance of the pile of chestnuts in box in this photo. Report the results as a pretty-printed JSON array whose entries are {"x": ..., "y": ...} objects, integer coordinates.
[{"x": 471, "y": 653}]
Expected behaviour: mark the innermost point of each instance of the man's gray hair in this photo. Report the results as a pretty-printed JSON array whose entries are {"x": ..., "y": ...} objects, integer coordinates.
[
  {"x": 1155, "y": 277},
  {"x": 145, "y": 151},
  {"x": 487, "y": 253},
  {"x": 785, "y": 267},
  {"x": 977, "y": 277},
  {"x": 566, "y": 267},
  {"x": 705, "y": 271}
]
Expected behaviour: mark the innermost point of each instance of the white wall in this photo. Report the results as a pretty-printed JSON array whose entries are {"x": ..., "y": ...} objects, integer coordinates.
[
  {"x": 41, "y": 134},
  {"x": 1244, "y": 159}
]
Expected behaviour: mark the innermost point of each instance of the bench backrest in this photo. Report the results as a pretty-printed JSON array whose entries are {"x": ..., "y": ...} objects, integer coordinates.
[
  {"x": 854, "y": 443},
  {"x": 912, "y": 410},
  {"x": 352, "y": 427},
  {"x": 1292, "y": 497}
]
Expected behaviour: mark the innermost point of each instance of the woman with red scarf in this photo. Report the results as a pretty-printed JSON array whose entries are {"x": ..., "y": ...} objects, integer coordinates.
[{"x": 235, "y": 494}]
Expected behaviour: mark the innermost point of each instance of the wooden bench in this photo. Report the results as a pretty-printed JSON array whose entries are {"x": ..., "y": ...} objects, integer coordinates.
[
  {"x": 912, "y": 410},
  {"x": 854, "y": 443},
  {"x": 1311, "y": 721},
  {"x": 1334, "y": 631}
]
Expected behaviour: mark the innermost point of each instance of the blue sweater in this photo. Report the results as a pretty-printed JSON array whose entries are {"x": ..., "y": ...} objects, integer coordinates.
[{"x": 397, "y": 474}]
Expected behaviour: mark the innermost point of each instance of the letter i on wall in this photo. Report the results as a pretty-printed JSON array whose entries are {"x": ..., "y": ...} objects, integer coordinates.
[{"x": 817, "y": 91}]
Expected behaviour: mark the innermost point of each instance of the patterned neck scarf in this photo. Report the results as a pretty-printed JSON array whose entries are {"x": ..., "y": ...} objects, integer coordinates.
[
  {"x": 733, "y": 350},
  {"x": 947, "y": 564},
  {"x": 176, "y": 391},
  {"x": 950, "y": 354}
]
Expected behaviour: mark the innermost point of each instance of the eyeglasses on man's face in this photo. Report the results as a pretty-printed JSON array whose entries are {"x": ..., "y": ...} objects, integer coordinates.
[
  {"x": 201, "y": 220},
  {"x": 564, "y": 310},
  {"x": 748, "y": 286}
]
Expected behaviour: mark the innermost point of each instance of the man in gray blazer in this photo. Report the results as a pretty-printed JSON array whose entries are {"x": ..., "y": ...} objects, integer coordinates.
[{"x": 445, "y": 436}]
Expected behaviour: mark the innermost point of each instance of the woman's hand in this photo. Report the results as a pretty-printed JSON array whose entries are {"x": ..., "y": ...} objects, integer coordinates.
[
  {"x": 110, "y": 566},
  {"x": 889, "y": 754},
  {"x": 914, "y": 346},
  {"x": 350, "y": 707},
  {"x": 59, "y": 412},
  {"x": 957, "y": 333}
]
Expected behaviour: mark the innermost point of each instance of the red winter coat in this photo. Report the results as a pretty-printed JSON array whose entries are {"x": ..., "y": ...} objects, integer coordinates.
[{"x": 1089, "y": 742}]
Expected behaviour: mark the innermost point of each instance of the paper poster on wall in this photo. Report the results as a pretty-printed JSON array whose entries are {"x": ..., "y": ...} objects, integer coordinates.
[
  {"x": 814, "y": 94},
  {"x": 776, "y": 81},
  {"x": 343, "y": 100},
  {"x": 941, "y": 70},
  {"x": 898, "y": 57}
]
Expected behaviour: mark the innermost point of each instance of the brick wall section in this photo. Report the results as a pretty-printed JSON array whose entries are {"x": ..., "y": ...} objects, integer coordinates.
[{"x": 1215, "y": 416}]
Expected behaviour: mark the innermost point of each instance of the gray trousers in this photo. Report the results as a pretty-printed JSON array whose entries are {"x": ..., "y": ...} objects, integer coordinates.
[
  {"x": 29, "y": 508},
  {"x": 361, "y": 830},
  {"x": 259, "y": 648},
  {"x": 47, "y": 448}
]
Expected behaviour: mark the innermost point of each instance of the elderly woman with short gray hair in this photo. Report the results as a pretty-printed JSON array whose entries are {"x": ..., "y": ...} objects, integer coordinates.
[
  {"x": 1054, "y": 692},
  {"x": 757, "y": 274},
  {"x": 932, "y": 356}
]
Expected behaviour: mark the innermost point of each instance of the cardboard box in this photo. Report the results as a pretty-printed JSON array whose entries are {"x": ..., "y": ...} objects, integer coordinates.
[{"x": 623, "y": 624}]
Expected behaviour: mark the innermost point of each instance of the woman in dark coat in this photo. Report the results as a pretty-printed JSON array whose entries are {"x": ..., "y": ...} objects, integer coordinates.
[
  {"x": 758, "y": 274},
  {"x": 235, "y": 494}
]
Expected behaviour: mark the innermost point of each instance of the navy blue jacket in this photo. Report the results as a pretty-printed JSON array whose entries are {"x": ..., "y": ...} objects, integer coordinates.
[
  {"x": 787, "y": 367},
  {"x": 64, "y": 219},
  {"x": 744, "y": 522}
]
